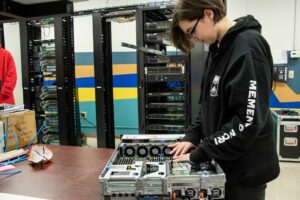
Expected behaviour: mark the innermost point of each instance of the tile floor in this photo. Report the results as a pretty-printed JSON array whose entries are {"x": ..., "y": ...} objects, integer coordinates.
[{"x": 285, "y": 187}]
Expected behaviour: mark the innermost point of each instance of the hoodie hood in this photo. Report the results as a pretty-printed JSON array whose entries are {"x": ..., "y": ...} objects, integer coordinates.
[{"x": 242, "y": 24}]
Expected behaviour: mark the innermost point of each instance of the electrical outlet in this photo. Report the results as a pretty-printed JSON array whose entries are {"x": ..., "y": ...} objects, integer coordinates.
[
  {"x": 291, "y": 74},
  {"x": 83, "y": 115},
  {"x": 295, "y": 54}
]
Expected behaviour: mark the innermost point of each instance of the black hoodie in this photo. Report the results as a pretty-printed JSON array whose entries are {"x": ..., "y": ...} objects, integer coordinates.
[{"x": 234, "y": 122}]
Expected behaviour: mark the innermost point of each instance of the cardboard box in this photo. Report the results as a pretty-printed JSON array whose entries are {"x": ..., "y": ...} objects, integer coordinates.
[{"x": 23, "y": 124}]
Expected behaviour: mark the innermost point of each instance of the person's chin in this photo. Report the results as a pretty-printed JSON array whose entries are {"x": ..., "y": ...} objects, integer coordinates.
[{"x": 208, "y": 42}]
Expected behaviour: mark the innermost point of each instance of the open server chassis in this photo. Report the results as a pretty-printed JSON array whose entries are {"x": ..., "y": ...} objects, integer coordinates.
[{"x": 141, "y": 168}]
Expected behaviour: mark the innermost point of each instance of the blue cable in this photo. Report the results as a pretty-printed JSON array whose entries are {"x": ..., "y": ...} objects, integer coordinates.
[
  {"x": 16, "y": 160},
  {"x": 6, "y": 134},
  {"x": 16, "y": 138},
  {"x": 2, "y": 138},
  {"x": 24, "y": 157},
  {"x": 10, "y": 173},
  {"x": 39, "y": 131}
]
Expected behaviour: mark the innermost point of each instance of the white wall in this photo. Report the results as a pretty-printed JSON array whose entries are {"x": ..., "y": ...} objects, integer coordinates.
[
  {"x": 236, "y": 8},
  {"x": 123, "y": 32},
  {"x": 277, "y": 18},
  {"x": 297, "y": 28},
  {"x": 83, "y": 33},
  {"x": 12, "y": 44}
]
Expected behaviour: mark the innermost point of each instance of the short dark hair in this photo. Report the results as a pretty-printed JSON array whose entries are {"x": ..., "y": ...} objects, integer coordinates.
[{"x": 192, "y": 10}]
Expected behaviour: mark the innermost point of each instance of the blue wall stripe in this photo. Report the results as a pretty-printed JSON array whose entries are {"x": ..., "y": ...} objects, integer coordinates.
[
  {"x": 274, "y": 103},
  {"x": 294, "y": 64},
  {"x": 126, "y": 115},
  {"x": 89, "y": 125},
  {"x": 84, "y": 58},
  {"x": 123, "y": 123},
  {"x": 129, "y": 57},
  {"x": 85, "y": 82},
  {"x": 87, "y": 58},
  {"x": 124, "y": 57},
  {"x": 175, "y": 53},
  {"x": 125, "y": 80},
  {"x": 49, "y": 82},
  {"x": 126, "y": 131}
]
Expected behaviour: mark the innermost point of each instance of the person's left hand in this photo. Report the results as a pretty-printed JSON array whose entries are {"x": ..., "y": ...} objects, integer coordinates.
[{"x": 184, "y": 157}]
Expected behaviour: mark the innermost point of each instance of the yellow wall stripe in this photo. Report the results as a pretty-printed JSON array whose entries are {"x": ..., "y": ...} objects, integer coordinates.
[
  {"x": 294, "y": 109},
  {"x": 119, "y": 69},
  {"x": 284, "y": 93},
  {"x": 125, "y": 93},
  {"x": 84, "y": 71},
  {"x": 49, "y": 78},
  {"x": 86, "y": 94}
]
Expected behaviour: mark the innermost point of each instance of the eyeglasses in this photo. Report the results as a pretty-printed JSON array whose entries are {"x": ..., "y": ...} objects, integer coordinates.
[{"x": 190, "y": 35}]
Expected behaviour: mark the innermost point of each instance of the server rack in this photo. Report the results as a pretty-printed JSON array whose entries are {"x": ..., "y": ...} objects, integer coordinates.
[
  {"x": 48, "y": 74},
  {"x": 103, "y": 81},
  {"x": 103, "y": 70},
  {"x": 163, "y": 80}
]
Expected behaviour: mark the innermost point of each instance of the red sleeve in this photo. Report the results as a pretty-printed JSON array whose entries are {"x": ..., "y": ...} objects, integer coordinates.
[{"x": 10, "y": 76}]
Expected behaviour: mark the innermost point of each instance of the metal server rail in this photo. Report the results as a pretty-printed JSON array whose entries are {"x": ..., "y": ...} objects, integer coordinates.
[{"x": 103, "y": 81}]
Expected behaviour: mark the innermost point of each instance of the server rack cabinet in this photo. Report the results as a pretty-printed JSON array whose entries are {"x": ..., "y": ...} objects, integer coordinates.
[
  {"x": 103, "y": 81},
  {"x": 48, "y": 74},
  {"x": 103, "y": 70},
  {"x": 163, "y": 80},
  {"x": 2, "y": 35}
]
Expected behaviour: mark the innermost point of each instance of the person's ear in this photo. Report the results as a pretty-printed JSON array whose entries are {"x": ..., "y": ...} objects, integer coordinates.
[{"x": 209, "y": 13}]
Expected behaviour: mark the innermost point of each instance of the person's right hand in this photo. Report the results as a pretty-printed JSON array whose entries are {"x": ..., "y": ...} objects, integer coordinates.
[{"x": 180, "y": 148}]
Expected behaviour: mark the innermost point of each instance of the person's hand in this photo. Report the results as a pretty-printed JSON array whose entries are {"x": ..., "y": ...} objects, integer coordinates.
[
  {"x": 184, "y": 157},
  {"x": 180, "y": 148}
]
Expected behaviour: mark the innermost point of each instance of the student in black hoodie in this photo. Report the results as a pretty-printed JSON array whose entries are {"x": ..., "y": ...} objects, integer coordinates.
[{"x": 234, "y": 125}]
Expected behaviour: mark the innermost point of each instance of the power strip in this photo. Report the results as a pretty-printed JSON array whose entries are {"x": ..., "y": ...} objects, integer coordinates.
[{"x": 12, "y": 154}]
